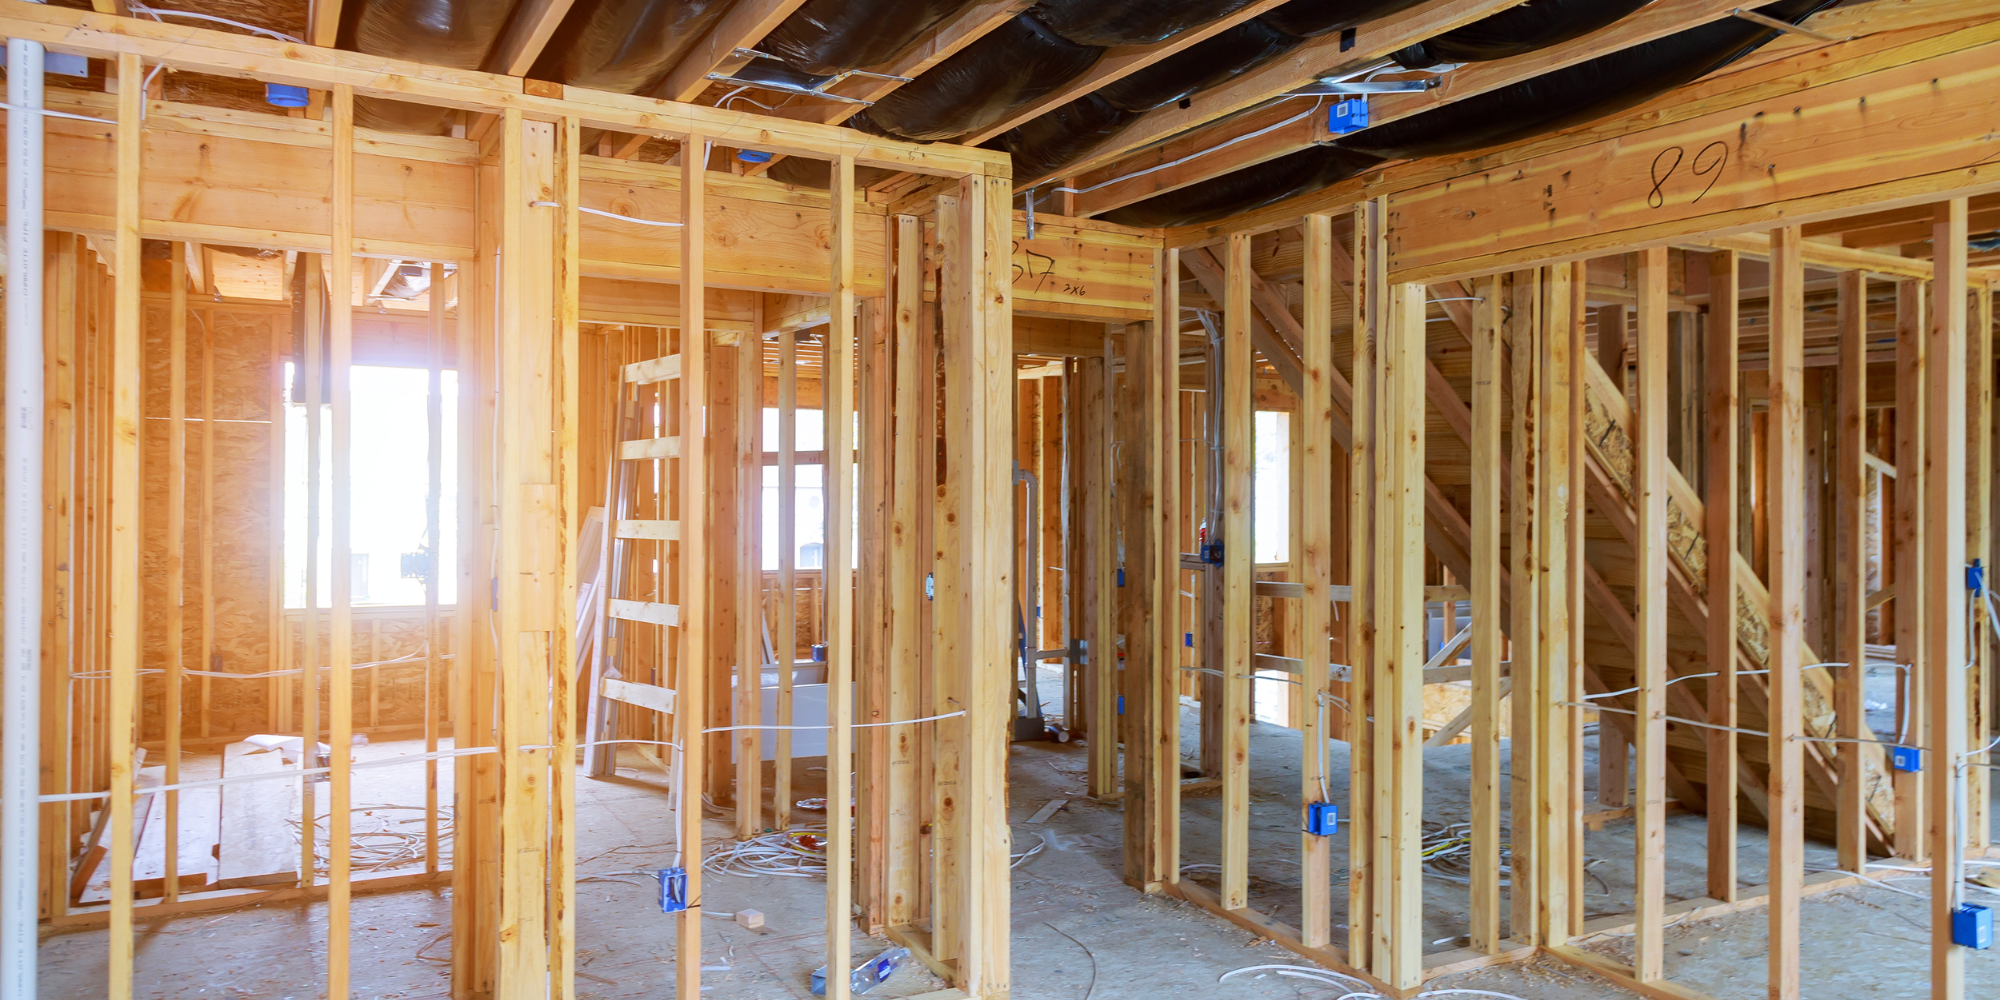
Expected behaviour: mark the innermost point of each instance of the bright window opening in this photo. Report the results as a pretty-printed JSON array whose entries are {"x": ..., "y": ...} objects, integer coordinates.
[
  {"x": 1271, "y": 512},
  {"x": 390, "y": 474}
]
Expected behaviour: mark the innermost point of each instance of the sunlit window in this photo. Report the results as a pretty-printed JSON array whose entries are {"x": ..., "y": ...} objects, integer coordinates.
[
  {"x": 1271, "y": 527},
  {"x": 390, "y": 473}
]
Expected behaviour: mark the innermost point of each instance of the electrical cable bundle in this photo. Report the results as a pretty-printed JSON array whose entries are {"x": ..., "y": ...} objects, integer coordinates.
[
  {"x": 795, "y": 853},
  {"x": 392, "y": 843}
]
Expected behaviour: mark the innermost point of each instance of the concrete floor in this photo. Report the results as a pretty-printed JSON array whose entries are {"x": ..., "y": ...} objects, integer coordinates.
[{"x": 1860, "y": 942}]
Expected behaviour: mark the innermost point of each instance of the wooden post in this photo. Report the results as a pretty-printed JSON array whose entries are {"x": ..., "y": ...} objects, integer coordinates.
[
  {"x": 1524, "y": 477},
  {"x": 1784, "y": 498},
  {"x": 1315, "y": 557},
  {"x": 1558, "y": 649},
  {"x": 1943, "y": 569},
  {"x": 1850, "y": 570},
  {"x": 692, "y": 679},
  {"x": 1239, "y": 461},
  {"x": 914, "y": 363},
  {"x": 1095, "y": 622},
  {"x": 1913, "y": 597},
  {"x": 785, "y": 631},
  {"x": 176, "y": 563},
  {"x": 340, "y": 648},
  {"x": 1649, "y": 653},
  {"x": 1488, "y": 461},
  {"x": 1721, "y": 526},
  {"x": 1978, "y": 543},
  {"x": 979, "y": 370},
  {"x": 1370, "y": 286},
  {"x": 837, "y": 401},
  {"x": 127, "y": 388},
  {"x": 1399, "y": 672},
  {"x": 566, "y": 409},
  {"x": 749, "y": 639}
]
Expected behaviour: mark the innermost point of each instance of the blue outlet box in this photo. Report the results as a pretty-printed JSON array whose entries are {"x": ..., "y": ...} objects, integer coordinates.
[
  {"x": 1906, "y": 758},
  {"x": 1121, "y": 704},
  {"x": 1121, "y": 576},
  {"x": 1347, "y": 115},
  {"x": 673, "y": 889},
  {"x": 1187, "y": 639},
  {"x": 1322, "y": 819},
  {"x": 1972, "y": 926}
]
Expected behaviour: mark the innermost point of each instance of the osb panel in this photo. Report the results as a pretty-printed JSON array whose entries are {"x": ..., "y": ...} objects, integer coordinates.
[{"x": 239, "y": 536}]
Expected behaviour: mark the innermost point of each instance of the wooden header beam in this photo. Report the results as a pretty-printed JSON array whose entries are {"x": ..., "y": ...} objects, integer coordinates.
[{"x": 202, "y": 51}]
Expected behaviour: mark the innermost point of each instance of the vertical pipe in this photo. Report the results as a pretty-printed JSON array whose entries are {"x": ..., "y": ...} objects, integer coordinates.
[{"x": 19, "y": 760}]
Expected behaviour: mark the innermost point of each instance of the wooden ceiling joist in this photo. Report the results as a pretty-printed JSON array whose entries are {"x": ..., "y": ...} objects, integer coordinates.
[
  {"x": 534, "y": 23},
  {"x": 743, "y": 27}
]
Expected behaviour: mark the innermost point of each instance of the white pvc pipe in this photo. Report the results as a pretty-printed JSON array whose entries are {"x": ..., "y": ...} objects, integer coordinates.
[{"x": 21, "y": 591}]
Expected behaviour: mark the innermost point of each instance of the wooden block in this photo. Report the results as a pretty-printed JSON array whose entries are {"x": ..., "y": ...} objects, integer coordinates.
[
  {"x": 1048, "y": 809},
  {"x": 254, "y": 844},
  {"x": 750, "y": 919}
]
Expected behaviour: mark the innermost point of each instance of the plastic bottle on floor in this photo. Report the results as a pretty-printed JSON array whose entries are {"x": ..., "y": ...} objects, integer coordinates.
[{"x": 867, "y": 976}]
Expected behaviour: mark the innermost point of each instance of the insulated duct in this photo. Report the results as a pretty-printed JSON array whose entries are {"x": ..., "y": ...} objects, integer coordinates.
[
  {"x": 1016, "y": 64},
  {"x": 1109, "y": 22},
  {"x": 626, "y": 46},
  {"x": 1064, "y": 135},
  {"x": 825, "y": 37},
  {"x": 454, "y": 33},
  {"x": 1533, "y": 25}
]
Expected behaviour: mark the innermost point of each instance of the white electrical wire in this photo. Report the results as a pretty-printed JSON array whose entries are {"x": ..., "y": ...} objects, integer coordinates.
[
  {"x": 608, "y": 215},
  {"x": 786, "y": 854},
  {"x": 1198, "y": 154},
  {"x": 1310, "y": 972}
]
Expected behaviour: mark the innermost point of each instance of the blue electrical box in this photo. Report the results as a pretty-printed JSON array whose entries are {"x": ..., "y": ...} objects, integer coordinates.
[
  {"x": 1972, "y": 926},
  {"x": 673, "y": 889},
  {"x": 285, "y": 96},
  {"x": 1975, "y": 577},
  {"x": 1211, "y": 553},
  {"x": 1322, "y": 819},
  {"x": 1349, "y": 114},
  {"x": 1121, "y": 704},
  {"x": 1121, "y": 576},
  {"x": 1187, "y": 639},
  {"x": 1906, "y": 758}
]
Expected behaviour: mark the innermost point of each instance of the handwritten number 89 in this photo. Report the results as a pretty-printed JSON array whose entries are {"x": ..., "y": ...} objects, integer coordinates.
[{"x": 1707, "y": 163}]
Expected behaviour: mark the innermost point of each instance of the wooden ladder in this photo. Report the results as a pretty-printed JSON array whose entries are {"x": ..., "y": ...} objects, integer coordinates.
[{"x": 648, "y": 399}]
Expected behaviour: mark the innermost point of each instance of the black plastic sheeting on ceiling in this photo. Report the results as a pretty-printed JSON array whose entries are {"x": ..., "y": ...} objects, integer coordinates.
[
  {"x": 1064, "y": 135},
  {"x": 1312, "y": 18},
  {"x": 626, "y": 46},
  {"x": 1533, "y": 25},
  {"x": 455, "y": 33},
  {"x": 1552, "y": 101},
  {"x": 1107, "y": 22},
  {"x": 1014, "y": 65},
  {"x": 825, "y": 37}
]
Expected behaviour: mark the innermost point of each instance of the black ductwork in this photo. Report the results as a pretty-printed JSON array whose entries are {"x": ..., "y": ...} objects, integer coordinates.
[
  {"x": 626, "y": 46},
  {"x": 1533, "y": 25},
  {"x": 455, "y": 33},
  {"x": 1244, "y": 190},
  {"x": 1132, "y": 22},
  {"x": 825, "y": 37},
  {"x": 1215, "y": 60},
  {"x": 1590, "y": 90},
  {"x": 1313, "y": 18},
  {"x": 1064, "y": 135},
  {"x": 1014, "y": 65}
]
